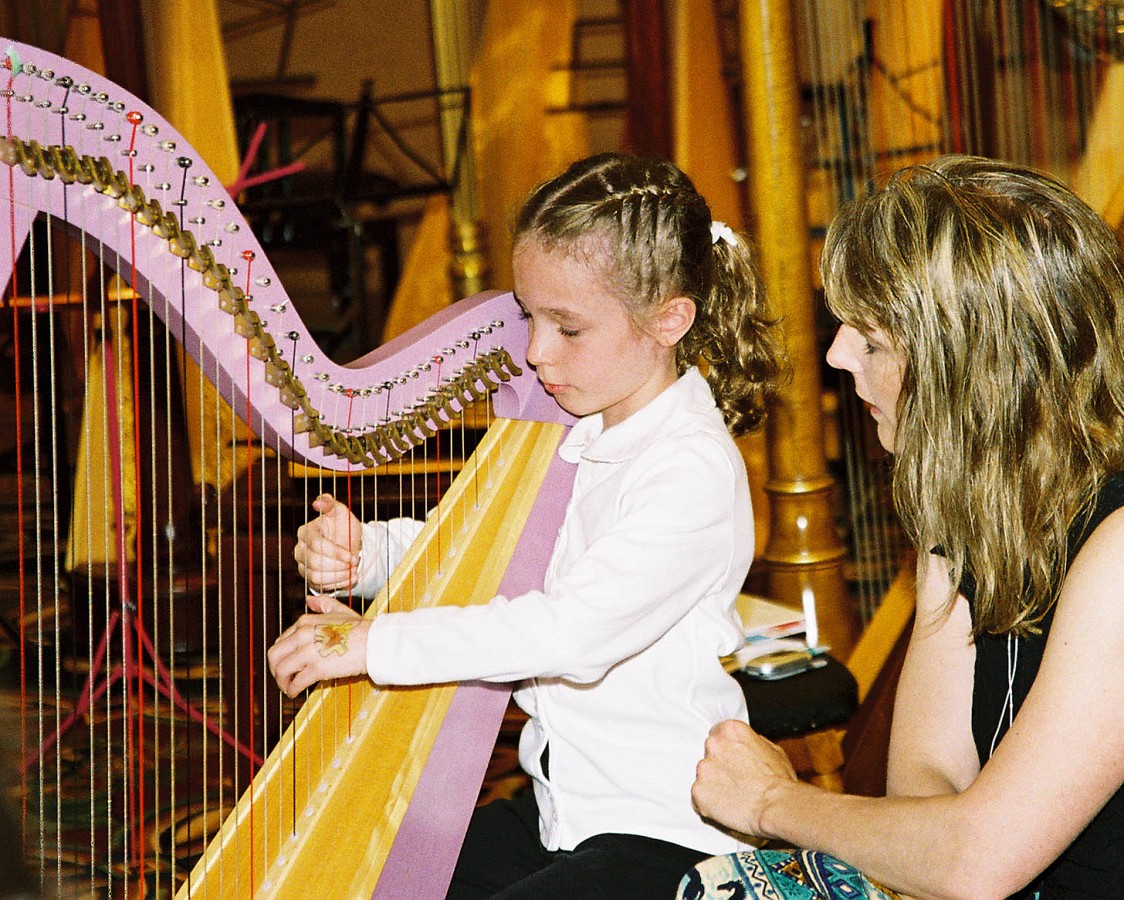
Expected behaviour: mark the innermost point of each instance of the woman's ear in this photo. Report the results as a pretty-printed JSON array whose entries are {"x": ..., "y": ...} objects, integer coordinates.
[{"x": 674, "y": 320}]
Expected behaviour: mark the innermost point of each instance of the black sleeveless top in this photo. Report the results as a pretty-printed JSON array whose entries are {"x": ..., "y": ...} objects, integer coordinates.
[{"x": 1093, "y": 866}]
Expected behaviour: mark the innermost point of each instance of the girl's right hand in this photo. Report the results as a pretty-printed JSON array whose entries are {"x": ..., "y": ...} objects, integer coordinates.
[{"x": 327, "y": 551}]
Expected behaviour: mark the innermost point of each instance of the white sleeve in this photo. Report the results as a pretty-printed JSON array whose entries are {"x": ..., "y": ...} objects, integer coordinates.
[
  {"x": 384, "y": 545},
  {"x": 679, "y": 535}
]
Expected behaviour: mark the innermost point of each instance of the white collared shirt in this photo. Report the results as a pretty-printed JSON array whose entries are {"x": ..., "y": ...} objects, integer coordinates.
[{"x": 622, "y": 645}]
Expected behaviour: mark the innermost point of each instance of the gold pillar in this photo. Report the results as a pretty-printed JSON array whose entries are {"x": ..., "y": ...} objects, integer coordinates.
[
  {"x": 452, "y": 52},
  {"x": 470, "y": 264},
  {"x": 804, "y": 554}
]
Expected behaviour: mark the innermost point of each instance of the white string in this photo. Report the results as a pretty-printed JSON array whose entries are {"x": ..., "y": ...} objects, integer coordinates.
[{"x": 1009, "y": 701}]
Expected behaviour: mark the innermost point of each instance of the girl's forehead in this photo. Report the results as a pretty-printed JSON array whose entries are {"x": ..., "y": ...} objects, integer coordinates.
[
  {"x": 547, "y": 277},
  {"x": 590, "y": 250}
]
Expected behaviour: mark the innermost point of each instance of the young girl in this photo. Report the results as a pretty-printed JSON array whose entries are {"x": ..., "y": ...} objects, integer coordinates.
[
  {"x": 626, "y": 284},
  {"x": 983, "y": 319}
]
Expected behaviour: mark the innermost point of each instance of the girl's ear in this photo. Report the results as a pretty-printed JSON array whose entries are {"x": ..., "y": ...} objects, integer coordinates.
[{"x": 674, "y": 320}]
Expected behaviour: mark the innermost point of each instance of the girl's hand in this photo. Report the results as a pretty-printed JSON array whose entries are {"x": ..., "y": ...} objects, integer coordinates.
[
  {"x": 329, "y": 642},
  {"x": 327, "y": 551},
  {"x": 734, "y": 780}
]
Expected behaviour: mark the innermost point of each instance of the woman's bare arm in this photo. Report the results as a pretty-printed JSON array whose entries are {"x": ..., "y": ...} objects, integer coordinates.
[
  {"x": 1057, "y": 766},
  {"x": 931, "y": 747}
]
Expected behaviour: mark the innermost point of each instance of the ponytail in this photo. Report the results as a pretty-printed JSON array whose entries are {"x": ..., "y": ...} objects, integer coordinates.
[{"x": 735, "y": 336}]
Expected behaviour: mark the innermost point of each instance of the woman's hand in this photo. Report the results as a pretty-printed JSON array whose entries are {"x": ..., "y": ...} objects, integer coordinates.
[
  {"x": 327, "y": 551},
  {"x": 734, "y": 779},
  {"x": 329, "y": 642}
]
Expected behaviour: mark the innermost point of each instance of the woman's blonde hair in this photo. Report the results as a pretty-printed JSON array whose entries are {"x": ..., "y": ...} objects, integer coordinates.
[
  {"x": 644, "y": 225},
  {"x": 1003, "y": 291}
]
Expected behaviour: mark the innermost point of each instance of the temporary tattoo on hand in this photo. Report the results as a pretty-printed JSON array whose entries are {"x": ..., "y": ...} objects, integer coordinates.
[{"x": 333, "y": 638}]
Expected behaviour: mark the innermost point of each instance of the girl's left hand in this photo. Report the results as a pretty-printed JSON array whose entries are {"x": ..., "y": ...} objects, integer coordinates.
[
  {"x": 329, "y": 642},
  {"x": 733, "y": 781}
]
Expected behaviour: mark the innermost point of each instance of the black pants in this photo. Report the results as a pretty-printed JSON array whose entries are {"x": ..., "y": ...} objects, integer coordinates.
[{"x": 503, "y": 858}]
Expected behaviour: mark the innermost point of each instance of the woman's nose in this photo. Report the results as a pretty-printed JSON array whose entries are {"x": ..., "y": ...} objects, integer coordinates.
[{"x": 843, "y": 352}]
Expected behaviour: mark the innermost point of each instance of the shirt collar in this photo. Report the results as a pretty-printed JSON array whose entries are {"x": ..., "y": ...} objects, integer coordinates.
[{"x": 588, "y": 440}]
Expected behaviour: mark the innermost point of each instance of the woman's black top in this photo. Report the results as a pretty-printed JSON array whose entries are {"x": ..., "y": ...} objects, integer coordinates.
[{"x": 1093, "y": 866}]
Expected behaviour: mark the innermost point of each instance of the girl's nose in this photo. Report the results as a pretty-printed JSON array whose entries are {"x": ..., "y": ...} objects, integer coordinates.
[
  {"x": 844, "y": 349},
  {"x": 535, "y": 348}
]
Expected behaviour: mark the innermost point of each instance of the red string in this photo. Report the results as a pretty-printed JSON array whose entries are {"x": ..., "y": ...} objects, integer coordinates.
[
  {"x": 134, "y": 119},
  {"x": 248, "y": 256}
]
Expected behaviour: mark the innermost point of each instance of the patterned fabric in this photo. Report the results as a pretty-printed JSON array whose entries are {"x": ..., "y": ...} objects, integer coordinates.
[{"x": 778, "y": 875}]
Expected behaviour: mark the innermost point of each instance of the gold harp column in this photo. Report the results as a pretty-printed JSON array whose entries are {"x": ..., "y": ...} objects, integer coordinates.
[
  {"x": 804, "y": 554},
  {"x": 452, "y": 51}
]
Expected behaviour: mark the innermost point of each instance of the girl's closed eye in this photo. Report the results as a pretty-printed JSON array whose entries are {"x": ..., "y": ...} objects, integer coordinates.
[{"x": 525, "y": 316}]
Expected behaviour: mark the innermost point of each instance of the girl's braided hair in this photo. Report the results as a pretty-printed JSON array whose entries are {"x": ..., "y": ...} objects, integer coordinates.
[{"x": 650, "y": 233}]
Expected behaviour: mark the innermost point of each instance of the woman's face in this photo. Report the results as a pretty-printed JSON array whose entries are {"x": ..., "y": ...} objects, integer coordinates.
[{"x": 877, "y": 367}]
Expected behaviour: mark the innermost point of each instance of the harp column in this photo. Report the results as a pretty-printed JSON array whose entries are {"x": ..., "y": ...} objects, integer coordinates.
[
  {"x": 452, "y": 52},
  {"x": 804, "y": 554}
]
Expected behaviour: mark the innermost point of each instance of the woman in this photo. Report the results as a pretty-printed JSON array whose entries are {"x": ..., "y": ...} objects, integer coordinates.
[{"x": 981, "y": 308}]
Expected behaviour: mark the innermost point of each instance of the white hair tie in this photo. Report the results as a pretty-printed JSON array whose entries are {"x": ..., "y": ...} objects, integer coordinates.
[{"x": 720, "y": 231}]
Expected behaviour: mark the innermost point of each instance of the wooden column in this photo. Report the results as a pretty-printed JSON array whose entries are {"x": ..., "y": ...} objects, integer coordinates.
[
  {"x": 804, "y": 554},
  {"x": 452, "y": 53},
  {"x": 648, "y": 125}
]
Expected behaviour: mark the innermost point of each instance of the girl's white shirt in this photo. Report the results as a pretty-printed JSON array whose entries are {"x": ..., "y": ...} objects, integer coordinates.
[{"x": 619, "y": 653}]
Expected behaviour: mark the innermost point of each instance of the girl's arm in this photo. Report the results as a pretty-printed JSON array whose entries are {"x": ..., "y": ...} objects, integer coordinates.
[
  {"x": 684, "y": 527},
  {"x": 680, "y": 528},
  {"x": 931, "y": 746},
  {"x": 383, "y": 547},
  {"x": 1057, "y": 766}
]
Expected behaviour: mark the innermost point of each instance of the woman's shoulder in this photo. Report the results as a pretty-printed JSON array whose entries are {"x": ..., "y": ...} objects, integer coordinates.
[
  {"x": 1111, "y": 494},
  {"x": 1096, "y": 543},
  {"x": 1108, "y": 499}
]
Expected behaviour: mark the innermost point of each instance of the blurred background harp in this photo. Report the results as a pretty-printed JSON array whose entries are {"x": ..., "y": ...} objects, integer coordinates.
[{"x": 173, "y": 410}]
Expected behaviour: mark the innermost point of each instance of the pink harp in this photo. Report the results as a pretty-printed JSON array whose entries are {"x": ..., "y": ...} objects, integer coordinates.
[{"x": 364, "y": 791}]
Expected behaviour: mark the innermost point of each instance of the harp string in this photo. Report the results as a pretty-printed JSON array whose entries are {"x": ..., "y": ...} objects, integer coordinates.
[
  {"x": 139, "y": 525},
  {"x": 21, "y": 569}
]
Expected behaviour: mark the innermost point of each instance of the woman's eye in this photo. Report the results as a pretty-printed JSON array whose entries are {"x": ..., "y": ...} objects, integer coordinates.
[
  {"x": 869, "y": 348},
  {"x": 568, "y": 332}
]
